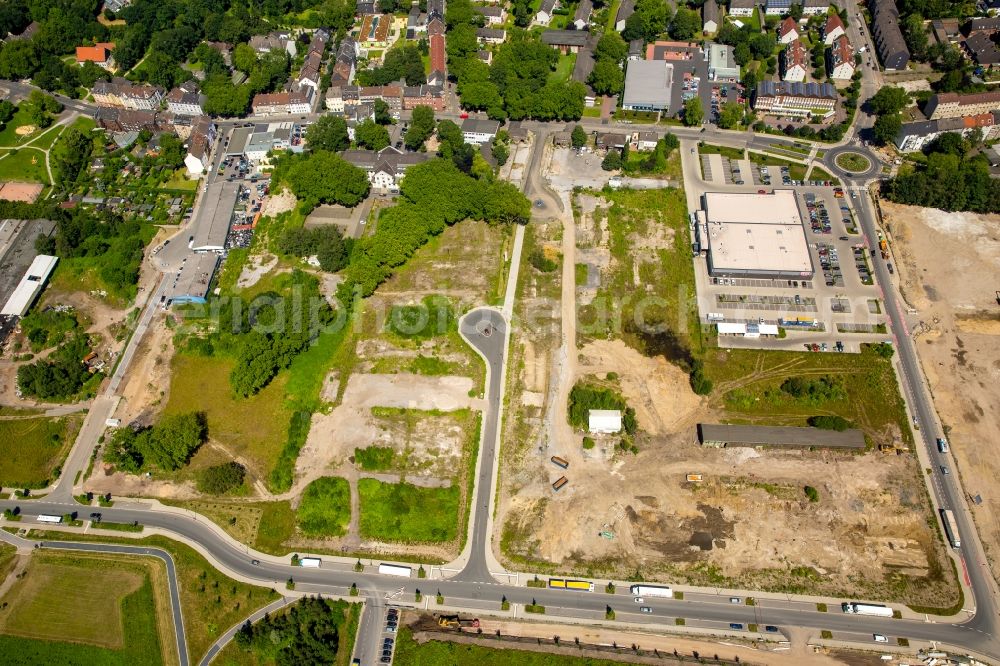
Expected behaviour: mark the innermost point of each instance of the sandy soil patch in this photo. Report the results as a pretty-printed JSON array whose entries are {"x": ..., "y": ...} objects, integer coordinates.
[
  {"x": 18, "y": 191},
  {"x": 410, "y": 392},
  {"x": 256, "y": 268},
  {"x": 148, "y": 380},
  {"x": 949, "y": 265},
  {"x": 25, "y": 130},
  {"x": 119, "y": 484},
  {"x": 279, "y": 202}
]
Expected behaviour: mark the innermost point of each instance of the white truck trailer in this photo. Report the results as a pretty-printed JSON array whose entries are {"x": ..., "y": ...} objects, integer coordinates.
[{"x": 856, "y": 608}]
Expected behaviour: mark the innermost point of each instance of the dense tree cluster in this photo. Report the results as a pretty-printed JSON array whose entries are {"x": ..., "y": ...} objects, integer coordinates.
[
  {"x": 401, "y": 62},
  {"x": 307, "y": 634},
  {"x": 59, "y": 376},
  {"x": 435, "y": 194},
  {"x": 607, "y": 77},
  {"x": 827, "y": 422},
  {"x": 748, "y": 44},
  {"x": 71, "y": 156},
  {"x": 322, "y": 177},
  {"x": 951, "y": 180},
  {"x": 329, "y": 133},
  {"x": 327, "y": 244},
  {"x": 421, "y": 127},
  {"x": 220, "y": 479},
  {"x": 168, "y": 445},
  {"x": 814, "y": 390}
]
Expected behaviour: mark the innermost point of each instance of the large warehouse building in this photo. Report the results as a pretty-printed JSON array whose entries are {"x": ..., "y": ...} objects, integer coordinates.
[
  {"x": 30, "y": 286},
  {"x": 725, "y": 436},
  {"x": 755, "y": 235}
]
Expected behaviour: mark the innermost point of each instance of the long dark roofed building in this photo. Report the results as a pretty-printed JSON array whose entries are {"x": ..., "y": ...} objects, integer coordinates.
[
  {"x": 724, "y": 436},
  {"x": 888, "y": 37}
]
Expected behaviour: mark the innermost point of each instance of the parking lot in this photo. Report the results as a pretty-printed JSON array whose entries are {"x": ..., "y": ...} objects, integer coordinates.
[
  {"x": 389, "y": 635},
  {"x": 839, "y": 304}
]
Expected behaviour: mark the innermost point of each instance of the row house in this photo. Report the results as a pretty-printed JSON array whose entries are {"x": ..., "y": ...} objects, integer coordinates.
[
  {"x": 186, "y": 100},
  {"x": 794, "y": 61},
  {"x": 123, "y": 93},
  {"x": 955, "y": 105},
  {"x": 345, "y": 64},
  {"x": 114, "y": 119},
  {"x": 795, "y": 99},
  {"x": 407, "y": 98},
  {"x": 840, "y": 60},
  {"x": 742, "y": 8},
  {"x": 288, "y": 102},
  {"x": 426, "y": 95},
  {"x": 832, "y": 29},
  {"x": 788, "y": 31},
  {"x": 200, "y": 143},
  {"x": 914, "y": 136},
  {"x": 386, "y": 167}
]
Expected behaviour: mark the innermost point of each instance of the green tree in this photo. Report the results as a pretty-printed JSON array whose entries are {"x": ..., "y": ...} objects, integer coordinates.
[
  {"x": 611, "y": 47},
  {"x": 887, "y": 127},
  {"x": 686, "y": 24},
  {"x": 382, "y": 115},
  {"x": 693, "y": 112},
  {"x": 421, "y": 127},
  {"x": 612, "y": 161},
  {"x": 323, "y": 177},
  {"x": 731, "y": 115},
  {"x": 888, "y": 100},
  {"x": 500, "y": 152},
  {"x": 371, "y": 135},
  {"x": 328, "y": 133},
  {"x": 244, "y": 58},
  {"x": 916, "y": 36},
  {"x": 70, "y": 157},
  {"x": 607, "y": 77},
  {"x": 578, "y": 137}
]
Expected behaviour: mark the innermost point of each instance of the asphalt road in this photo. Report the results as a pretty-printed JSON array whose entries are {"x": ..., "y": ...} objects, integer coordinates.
[{"x": 231, "y": 632}]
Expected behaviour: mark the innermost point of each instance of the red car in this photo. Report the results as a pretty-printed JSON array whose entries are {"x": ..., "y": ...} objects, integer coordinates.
[
  {"x": 761, "y": 191},
  {"x": 463, "y": 115}
]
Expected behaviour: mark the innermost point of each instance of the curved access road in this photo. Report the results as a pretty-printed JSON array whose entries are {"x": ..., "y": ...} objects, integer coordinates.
[
  {"x": 224, "y": 639},
  {"x": 117, "y": 549}
]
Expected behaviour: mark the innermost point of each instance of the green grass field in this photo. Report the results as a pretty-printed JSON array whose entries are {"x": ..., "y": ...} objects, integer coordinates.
[
  {"x": 47, "y": 138},
  {"x": 725, "y": 151},
  {"x": 211, "y": 601},
  {"x": 178, "y": 181},
  {"x": 52, "y": 611},
  {"x": 564, "y": 68},
  {"x": 18, "y": 165},
  {"x": 254, "y": 428},
  {"x": 9, "y": 136},
  {"x": 818, "y": 173},
  {"x": 432, "y": 653},
  {"x": 325, "y": 509},
  {"x": 407, "y": 513},
  {"x": 33, "y": 448}
]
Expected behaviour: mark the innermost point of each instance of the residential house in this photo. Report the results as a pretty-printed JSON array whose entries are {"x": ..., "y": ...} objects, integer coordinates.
[
  {"x": 840, "y": 60},
  {"x": 795, "y": 99},
  {"x": 547, "y": 10},
  {"x": 636, "y": 49},
  {"x": 282, "y": 103},
  {"x": 485, "y": 56},
  {"x": 710, "y": 16},
  {"x": 99, "y": 54},
  {"x": 582, "y": 69},
  {"x": 722, "y": 63},
  {"x": 123, "y": 93},
  {"x": 274, "y": 41},
  {"x": 644, "y": 141},
  {"x": 426, "y": 95},
  {"x": 225, "y": 50},
  {"x": 116, "y": 119},
  {"x": 625, "y": 9},
  {"x": 794, "y": 62},
  {"x": 374, "y": 32},
  {"x": 955, "y": 105},
  {"x": 946, "y": 31},
  {"x": 493, "y": 15},
  {"x": 986, "y": 26},
  {"x": 777, "y": 7},
  {"x": 742, "y": 8},
  {"x": 581, "y": 19},
  {"x": 832, "y": 29},
  {"x": 435, "y": 9},
  {"x": 611, "y": 140},
  {"x": 416, "y": 22},
  {"x": 887, "y": 34},
  {"x": 815, "y": 7},
  {"x": 115, "y": 5},
  {"x": 567, "y": 41},
  {"x": 386, "y": 167},
  {"x": 491, "y": 36},
  {"x": 982, "y": 50},
  {"x": 914, "y": 136},
  {"x": 344, "y": 65},
  {"x": 200, "y": 142},
  {"x": 186, "y": 100},
  {"x": 517, "y": 132},
  {"x": 479, "y": 131},
  {"x": 788, "y": 31},
  {"x": 363, "y": 7}
]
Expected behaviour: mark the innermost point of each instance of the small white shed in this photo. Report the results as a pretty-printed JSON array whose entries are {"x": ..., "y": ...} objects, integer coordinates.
[{"x": 605, "y": 421}]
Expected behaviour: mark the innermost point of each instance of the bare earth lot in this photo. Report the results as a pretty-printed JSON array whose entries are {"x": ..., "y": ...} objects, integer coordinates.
[
  {"x": 748, "y": 524},
  {"x": 949, "y": 266}
]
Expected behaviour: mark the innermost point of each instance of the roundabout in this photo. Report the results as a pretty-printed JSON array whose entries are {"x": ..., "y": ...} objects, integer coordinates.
[{"x": 853, "y": 162}]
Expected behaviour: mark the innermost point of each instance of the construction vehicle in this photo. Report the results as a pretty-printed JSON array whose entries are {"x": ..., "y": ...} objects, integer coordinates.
[
  {"x": 456, "y": 622},
  {"x": 883, "y": 247},
  {"x": 694, "y": 477}
]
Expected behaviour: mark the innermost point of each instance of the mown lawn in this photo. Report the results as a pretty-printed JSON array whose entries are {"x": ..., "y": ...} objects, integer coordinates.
[
  {"x": 406, "y": 513},
  {"x": 33, "y": 448},
  {"x": 564, "y": 68},
  {"x": 26, "y": 164},
  {"x": 9, "y": 135},
  {"x": 51, "y": 614},
  {"x": 325, "y": 509}
]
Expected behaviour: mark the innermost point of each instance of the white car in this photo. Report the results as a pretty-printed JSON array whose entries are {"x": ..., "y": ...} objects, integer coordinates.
[
  {"x": 879, "y": 638},
  {"x": 638, "y": 600}
]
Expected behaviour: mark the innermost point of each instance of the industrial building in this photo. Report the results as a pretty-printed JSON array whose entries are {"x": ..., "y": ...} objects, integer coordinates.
[
  {"x": 647, "y": 85},
  {"x": 214, "y": 215},
  {"x": 191, "y": 283},
  {"x": 723, "y": 436},
  {"x": 604, "y": 421},
  {"x": 722, "y": 63},
  {"x": 30, "y": 286},
  {"x": 755, "y": 235}
]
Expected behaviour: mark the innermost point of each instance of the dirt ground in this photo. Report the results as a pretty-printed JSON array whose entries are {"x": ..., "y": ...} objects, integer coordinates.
[
  {"x": 748, "y": 524},
  {"x": 949, "y": 269},
  {"x": 278, "y": 203}
]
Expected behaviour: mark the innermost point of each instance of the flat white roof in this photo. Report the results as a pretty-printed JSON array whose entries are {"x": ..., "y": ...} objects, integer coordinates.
[
  {"x": 604, "y": 420},
  {"x": 647, "y": 83},
  {"x": 30, "y": 285},
  {"x": 727, "y": 328},
  {"x": 749, "y": 208},
  {"x": 759, "y": 248}
]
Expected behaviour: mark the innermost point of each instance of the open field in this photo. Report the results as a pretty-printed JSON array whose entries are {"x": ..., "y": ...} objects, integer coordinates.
[
  {"x": 749, "y": 524},
  {"x": 52, "y": 610},
  {"x": 9, "y": 136},
  {"x": 407, "y": 513},
  {"x": 252, "y": 428},
  {"x": 948, "y": 265},
  {"x": 211, "y": 601},
  {"x": 325, "y": 509},
  {"x": 26, "y": 164},
  {"x": 34, "y": 448},
  {"x": 13, "y": 190}
]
